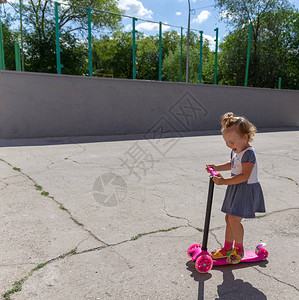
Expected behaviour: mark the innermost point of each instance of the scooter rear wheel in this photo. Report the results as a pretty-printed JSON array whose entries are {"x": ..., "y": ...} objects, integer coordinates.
[
  {"x": 204, "y": 264},
  {"x": 264, "y": 252},
  {"x": 261, "y": 250}
]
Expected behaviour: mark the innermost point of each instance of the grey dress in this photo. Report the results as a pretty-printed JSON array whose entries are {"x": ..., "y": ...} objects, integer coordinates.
[{"x": 246, "y": 198}]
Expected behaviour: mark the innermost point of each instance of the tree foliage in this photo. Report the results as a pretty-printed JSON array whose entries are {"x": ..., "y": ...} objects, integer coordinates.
[
  {"x": 9, "y": 38},
  {"x": 113, "y": 55},
  {"x": 39, "y": 32},
  {"x": 172, "y": 63},
  {"x": 274, "y": 48}
]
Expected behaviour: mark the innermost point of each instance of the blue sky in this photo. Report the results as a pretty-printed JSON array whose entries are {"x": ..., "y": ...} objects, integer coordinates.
[{"x": 175, "y": 12}]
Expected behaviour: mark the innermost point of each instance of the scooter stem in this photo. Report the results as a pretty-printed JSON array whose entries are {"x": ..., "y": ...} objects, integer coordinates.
[{"x": 208, "y": 215}]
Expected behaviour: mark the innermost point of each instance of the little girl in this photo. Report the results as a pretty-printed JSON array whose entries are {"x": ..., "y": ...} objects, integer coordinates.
[{"x": 244, "y": 196}]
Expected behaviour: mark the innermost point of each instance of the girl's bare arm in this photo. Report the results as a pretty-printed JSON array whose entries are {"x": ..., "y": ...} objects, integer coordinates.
[{"x": 223, "y": 167}]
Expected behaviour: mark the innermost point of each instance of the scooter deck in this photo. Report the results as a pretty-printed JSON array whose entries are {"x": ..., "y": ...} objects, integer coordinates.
[{"x": 249, "y": 256}]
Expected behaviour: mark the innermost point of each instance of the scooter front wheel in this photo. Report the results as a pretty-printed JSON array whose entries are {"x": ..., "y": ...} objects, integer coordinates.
[
  {"x": 193, "y": 246},
  {"x": 204, "y": 264}
]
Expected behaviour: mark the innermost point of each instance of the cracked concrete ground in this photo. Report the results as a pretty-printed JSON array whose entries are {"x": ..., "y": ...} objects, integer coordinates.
[{"x": 63, "y": 237}]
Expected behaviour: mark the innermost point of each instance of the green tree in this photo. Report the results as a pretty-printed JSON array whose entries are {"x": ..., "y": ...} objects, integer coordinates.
[
  {"x": 103, "y": 52},
  {"x": 123, "y": 57},
  {"x": 148, "y": 53},
  {"x": 9, "y": 38},
  {"x": 148, "y": 58},
  {"x": 171, "y": 39},
  {"x": 232, "y": 58},
  {"x": 274, "y": 29},
  {"x": 40, "y": 32},
  {"x": 113, "y": 54},
  {"x": 171, "y": 64}
]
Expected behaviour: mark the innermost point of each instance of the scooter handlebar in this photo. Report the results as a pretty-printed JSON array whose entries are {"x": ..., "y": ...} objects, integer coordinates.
[{"x": 212, "y": 172}]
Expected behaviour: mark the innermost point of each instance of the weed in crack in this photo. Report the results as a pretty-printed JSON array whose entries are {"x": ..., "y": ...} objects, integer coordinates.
[
  {"x": 72, "y": 252},
  {"x": 17, "y": 285},
  {"x": 38, "y": 187},
  {"x": 147, "y": 233},
  {"x": 77, "y": 222},
  {"x": 62, "y": 207}
]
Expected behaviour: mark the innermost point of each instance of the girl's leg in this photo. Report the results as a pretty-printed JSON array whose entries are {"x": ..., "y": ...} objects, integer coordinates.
[
  {"x": 229, "y": 237},
  {"x": 236, "y": 228},
  {"x": 228, "y": 244},
  {"x": 238, "y": 235}
]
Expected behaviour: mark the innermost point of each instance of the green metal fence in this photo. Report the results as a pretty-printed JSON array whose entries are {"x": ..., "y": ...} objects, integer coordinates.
[
  {"x": 2, "y": 63},
  {"x": 135, "y": 58},
  {"x": 59, "y": 31},
  {"x": 89, "y": 36}
]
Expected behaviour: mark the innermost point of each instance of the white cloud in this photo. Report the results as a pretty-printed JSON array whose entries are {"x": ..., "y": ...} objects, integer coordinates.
[
  {"x": 148, "y": 26},
  {"x": 203, "y": 16},
  {"x": 178, "y": 13},
  {"x": 135, "y": 8},
  {"x": 211, "y": 40}
]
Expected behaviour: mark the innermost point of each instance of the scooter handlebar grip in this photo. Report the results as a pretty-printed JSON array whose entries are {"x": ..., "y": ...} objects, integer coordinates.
[{"x": 212, "y": 172}]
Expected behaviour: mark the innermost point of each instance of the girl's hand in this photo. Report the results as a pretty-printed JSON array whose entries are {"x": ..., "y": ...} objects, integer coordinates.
[
  {"x": 210, "y": 166},
  {"x": 219, "y": 180}
]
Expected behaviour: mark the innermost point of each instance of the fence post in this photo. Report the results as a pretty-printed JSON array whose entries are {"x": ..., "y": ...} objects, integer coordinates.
[
  {"x": 279, "y": 83},
  {"x": 2, "y": 63},
  {"x": 134, "y": 48},
  {"x": 89, "y": 41},
  {"x": 17, "y": 57},
  {"x": 22, "y": 39},
  {"x": 57, "y": 35},
  {"x": 200, "y": 58},
  {"x": 216, "y": 56},
  {"x": 160, "y": 51},
  {"x": 248, "y": 54},
  {"x": 181, "y": 64}
]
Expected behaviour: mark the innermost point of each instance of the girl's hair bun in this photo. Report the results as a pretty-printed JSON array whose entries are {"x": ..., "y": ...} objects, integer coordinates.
[
  {"x": 244, "y": 127},
  {"x": 228, "y": 119}
]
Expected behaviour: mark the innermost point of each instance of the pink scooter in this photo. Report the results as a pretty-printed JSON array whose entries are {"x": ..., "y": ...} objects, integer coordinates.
[{"x": 200, "y": 255}]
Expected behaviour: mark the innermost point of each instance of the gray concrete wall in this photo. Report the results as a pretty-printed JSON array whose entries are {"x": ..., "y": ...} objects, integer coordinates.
[{"x": 43, "y": 105}]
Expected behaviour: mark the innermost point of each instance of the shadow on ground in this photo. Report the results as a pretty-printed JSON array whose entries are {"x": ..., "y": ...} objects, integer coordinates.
[
  {"x": 115, "y": 138},
  {"x": 230, "y": 288}
]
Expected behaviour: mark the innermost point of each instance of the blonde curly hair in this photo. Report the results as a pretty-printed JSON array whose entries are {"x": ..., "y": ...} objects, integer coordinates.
[{"x": 243, "y": 126}]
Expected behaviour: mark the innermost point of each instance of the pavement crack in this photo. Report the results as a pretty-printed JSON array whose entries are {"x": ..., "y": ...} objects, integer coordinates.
[
  {"x": 214, "y": 235},
  {"x": 173, "y": 216},
  {"x": 272, "y": 212},
  {"x": 280, "y": 155},
  {"x": 83, "y": 149},
  {"x": 282, "y": 177},
  {"x": 139, "y": 235},
  {"x": 17, "y": 285},
  {"x": 273, "y": 277},
  {"x": 288, "y": 178},
  {"x": 61, "y": 206},
  {"x": 168, "y": 214},
  {"x": 5, "y": 185}
]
